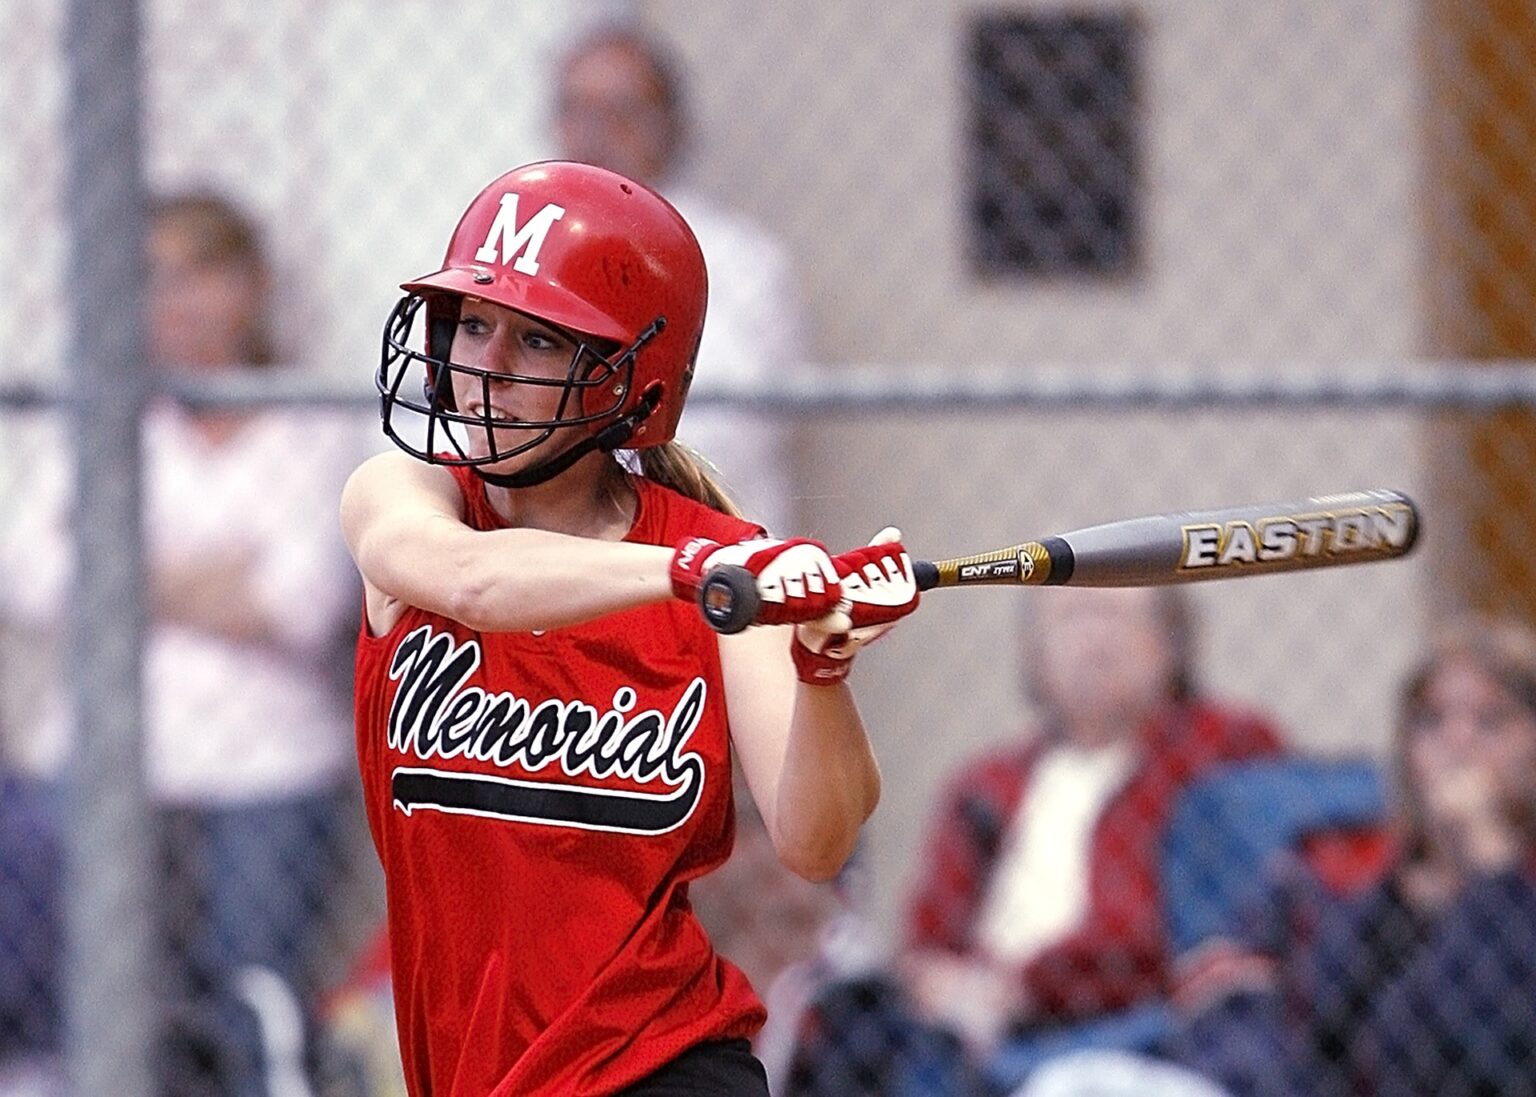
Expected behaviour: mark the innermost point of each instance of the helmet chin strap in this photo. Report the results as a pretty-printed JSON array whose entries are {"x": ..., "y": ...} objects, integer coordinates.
[{"x": 610, "y": 438}]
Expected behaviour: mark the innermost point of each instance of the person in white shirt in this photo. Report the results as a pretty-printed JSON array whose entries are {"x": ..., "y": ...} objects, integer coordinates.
[
  {"x": 252, "y": 602},
  {"x": 620, "y": 104}
]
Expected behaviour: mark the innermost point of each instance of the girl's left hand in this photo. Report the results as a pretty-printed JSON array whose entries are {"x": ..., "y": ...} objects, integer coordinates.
[{"x": 878, "y": 590}]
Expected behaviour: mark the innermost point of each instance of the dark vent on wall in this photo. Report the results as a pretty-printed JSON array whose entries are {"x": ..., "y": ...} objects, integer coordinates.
[{"x": 1053, "y": 180}]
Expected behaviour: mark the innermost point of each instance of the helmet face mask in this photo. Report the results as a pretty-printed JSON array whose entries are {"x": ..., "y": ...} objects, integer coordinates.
[
  {"x": 598, "y": 258},
  {"x": 421, "y": 413}
]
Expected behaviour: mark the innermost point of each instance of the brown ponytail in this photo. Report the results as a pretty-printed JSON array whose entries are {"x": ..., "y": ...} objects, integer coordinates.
[{"x": 687, "y": 472}]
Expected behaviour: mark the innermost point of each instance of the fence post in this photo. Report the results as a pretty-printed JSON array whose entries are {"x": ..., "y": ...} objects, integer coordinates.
[{"x": 108, "y": 990}]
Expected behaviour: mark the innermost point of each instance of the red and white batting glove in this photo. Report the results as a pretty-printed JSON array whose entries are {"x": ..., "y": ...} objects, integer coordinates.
[
  {"x": 878, "y": 590},
  {"x": 796, "y": 579}
]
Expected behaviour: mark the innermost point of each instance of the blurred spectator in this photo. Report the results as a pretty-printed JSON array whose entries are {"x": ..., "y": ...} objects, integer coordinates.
[
  {"x": 1399, "y": 963},
  {"x": 31, "y": 854},
  {"x": 247, "y": 750},
  {"x": 620, "y": 103},
  {"x": 1038, "y": 899},
  {"x": 251, "y": 594}
]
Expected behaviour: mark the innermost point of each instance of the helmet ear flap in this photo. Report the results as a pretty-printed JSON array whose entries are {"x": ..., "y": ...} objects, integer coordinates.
[{"x": 442, "y": 322}]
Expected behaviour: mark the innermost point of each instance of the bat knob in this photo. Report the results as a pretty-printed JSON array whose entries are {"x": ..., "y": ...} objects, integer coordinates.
[
  {"x": 728, "y": 598},
  {"x": 925, "y": 574}
]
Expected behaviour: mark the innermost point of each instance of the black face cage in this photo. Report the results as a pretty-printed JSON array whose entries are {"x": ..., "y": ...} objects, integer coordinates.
[{"x": 438, "y": 442}]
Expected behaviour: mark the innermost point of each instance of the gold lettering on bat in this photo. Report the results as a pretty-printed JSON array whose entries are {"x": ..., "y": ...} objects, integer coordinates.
[{"x": 1362, "y": 531}]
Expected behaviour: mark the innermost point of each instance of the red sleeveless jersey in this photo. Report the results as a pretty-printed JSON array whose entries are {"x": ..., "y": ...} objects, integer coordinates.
[{"x": 539, "y": 802}]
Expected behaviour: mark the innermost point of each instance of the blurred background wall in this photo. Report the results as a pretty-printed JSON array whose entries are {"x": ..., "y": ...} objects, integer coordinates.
[{"x": 1304, "y": 181}]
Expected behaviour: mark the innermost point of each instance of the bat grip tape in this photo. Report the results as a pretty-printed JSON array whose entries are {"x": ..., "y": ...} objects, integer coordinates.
[{"x": 1053, "y": 556}]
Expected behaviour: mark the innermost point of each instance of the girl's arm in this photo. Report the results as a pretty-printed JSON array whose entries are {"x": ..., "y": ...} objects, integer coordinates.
[
  {"x": 803, "y": 750},
  {"x": 404, "y": 522}
]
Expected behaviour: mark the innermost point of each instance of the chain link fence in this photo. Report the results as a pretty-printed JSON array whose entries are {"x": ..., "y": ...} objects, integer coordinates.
[{"x": 987, "y": 272}]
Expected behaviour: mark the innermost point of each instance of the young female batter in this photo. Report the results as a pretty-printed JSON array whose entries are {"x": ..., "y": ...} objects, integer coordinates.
[{"x": 544, "y": 719}]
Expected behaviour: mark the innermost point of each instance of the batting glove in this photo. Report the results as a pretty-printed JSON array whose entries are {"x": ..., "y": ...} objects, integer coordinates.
[
  {"x": 878, "y": 590},
  {"x": 796, "y": 579}
]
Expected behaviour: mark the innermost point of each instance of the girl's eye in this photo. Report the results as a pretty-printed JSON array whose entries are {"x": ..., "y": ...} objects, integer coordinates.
[
  {"x": 535, "y": 340},
  {"x": 474, "y": 325}
]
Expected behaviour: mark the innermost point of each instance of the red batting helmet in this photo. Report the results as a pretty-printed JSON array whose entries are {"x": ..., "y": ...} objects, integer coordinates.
[{"x": 589, "y": 252}]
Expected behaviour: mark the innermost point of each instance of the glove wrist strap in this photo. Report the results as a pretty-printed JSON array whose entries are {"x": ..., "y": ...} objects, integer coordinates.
[
  {"x": 816, "y": 669},
  {"x": 686, "y": 570}
]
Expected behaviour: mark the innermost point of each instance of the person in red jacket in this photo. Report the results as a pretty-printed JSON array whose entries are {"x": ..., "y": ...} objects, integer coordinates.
[
  {"x": 545, "y": 720},
  {"x": 1039, "y": 901}
]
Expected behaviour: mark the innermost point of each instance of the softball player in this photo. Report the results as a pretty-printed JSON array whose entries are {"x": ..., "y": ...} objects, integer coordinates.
[{"x": 544, "y": 720}]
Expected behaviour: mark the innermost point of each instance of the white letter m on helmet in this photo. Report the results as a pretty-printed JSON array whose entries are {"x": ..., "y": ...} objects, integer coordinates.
[{"x": 524, "y": 243}]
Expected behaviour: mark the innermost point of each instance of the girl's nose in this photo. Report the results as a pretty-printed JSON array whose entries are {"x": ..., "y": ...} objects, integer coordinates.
[{"x": 501, "y": 351}]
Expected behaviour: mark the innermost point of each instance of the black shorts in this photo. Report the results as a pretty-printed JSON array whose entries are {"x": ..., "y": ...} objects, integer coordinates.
[{"x": 718, "y": 1068}]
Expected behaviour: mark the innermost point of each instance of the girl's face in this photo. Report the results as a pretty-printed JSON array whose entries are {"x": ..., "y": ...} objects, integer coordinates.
[
  {"x": 507, "y": 343},
  {"x": 1470, "y": 736}
]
